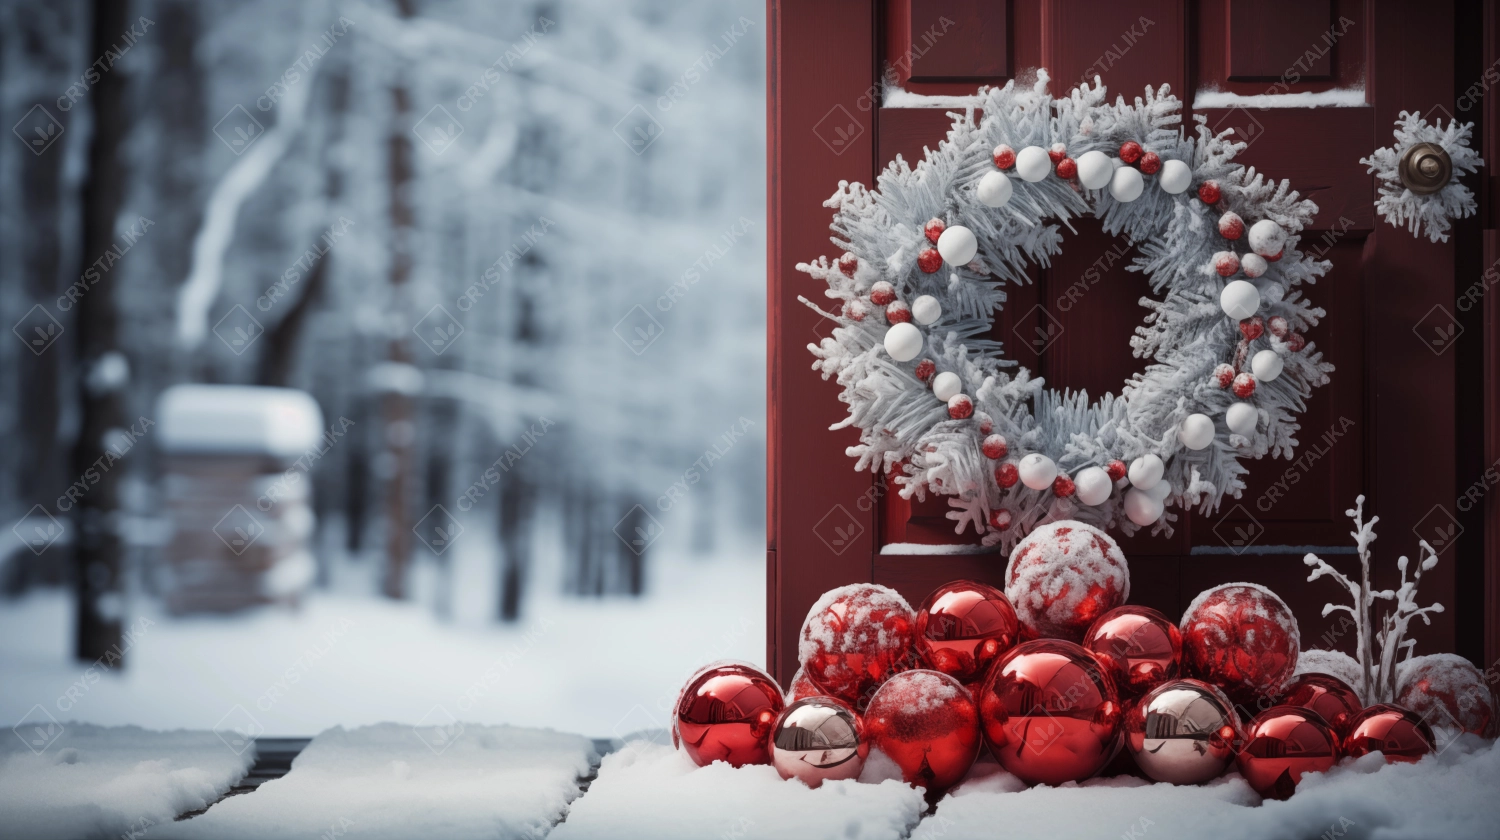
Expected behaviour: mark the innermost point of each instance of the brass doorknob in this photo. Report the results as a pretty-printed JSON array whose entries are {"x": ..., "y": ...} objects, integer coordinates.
[{"x": 1425, "y": 168}]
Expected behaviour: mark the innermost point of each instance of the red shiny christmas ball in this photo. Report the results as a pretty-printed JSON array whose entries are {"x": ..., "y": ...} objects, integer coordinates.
[
  {"x": 1224, "y": 375},
  {"x": 964, "y": 626},
  {"x": 1244, "y": 385},
  {"x": 801, "y": 687},
  {"x": 849, "y": 264},
  {"x": 1401, "y": 735},
  {"x": 1130, "y": 151},
  {"x": 1241, "y": 638},
  {"x": 882, "y": 293},
  {"x": 925, "y": 369},
  {"x": 929, "y": 260},
  {"x": 1226, "y": 263},
  {"x": 1150, "y": 163},
  {"x": 1067, "y": 168},
  {"x": 1449, "y": 692},
  {"x": 1004, "y": 156},
  {"x": 933, "y": 229},
  {"x": 994, "y": 447},
  {"x": 1277, "y": 325},
  {"x": 1208, "y": 192},
  {"x": 1057, "y": 152},
  {"x": 1138, "y": 646},
  {"x": 1281, "y": 744},
  {"x": 927, "y": 723},
  {"x": 1329, "y": 696},
  {"x": 1063, "y": 487},
  {"x": 960, "y": 406},
  {"x": 1116, "y": 469},
  {"x": 854, "y": 638},
  {"x": 726, "y": 713},
  {"x": 1063, "y": 576},
  {"x": 1295, "y": 342},
  {"x": 1049, "y": 713},
  {"x": 1231, "y": 226},
  {"x": 1007, "y": 474},
  {"x": 1000, "y": 519},
  {"x": 1253, "y": 327},
  {"x": 898, "y": 313}
]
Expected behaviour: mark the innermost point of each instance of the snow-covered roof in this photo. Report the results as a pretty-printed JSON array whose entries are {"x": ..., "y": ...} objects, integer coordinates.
[{"x": 282, "y": 422}]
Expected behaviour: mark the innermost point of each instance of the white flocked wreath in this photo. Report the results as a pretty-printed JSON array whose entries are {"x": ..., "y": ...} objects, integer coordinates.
[{"x": 949, "y": 415}]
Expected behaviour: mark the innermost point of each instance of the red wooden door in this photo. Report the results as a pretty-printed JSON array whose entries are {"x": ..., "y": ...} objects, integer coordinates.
[{"x": 1387, "y": 426}]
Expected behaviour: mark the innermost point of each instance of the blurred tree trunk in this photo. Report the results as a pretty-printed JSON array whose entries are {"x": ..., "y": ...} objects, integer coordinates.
[
  {"x": 444, "y": 425},
  {"x": 399, "y": 408},
  {"x": 97, "y": 546},
  {"x": 517, "y": 507},
  {"x": 178, "y": 177}
]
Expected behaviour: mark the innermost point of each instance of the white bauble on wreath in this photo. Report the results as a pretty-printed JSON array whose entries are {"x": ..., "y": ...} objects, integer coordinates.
[{"x": 990, "y": 213}]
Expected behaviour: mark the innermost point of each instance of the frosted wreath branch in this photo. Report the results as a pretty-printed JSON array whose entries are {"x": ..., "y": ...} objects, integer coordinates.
[{"x": 1399, "y": 205}]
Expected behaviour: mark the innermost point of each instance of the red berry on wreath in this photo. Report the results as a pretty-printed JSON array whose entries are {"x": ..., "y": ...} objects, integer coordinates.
[
  {"x": 1004, "y": 156},
  {"x": 1130, "y": 151},
  {"x": 1007, "y": 474},
  {"x": 1295, "y": 342},
  {"x": 1116, "y": 469},
  {"x": 882, "y": 293},
  {"x": 1277, "y": 325},
  {"x": 986, "y": 425},
  {"x": 934, "y": 228},
  {"x": 1253, "y": 328},
  {"x": 1226, "y": 263},
  {"x": 925, "y": 369},
  {"x": 1276, "y": 257},
  {"x": 1000, "y": 519},
  {"x": 1224, "y": 375},
  {"x": 1209, "y": 193},
  {"x": 1150, "y": 163},
  {"x": 1063, "y": 487},
  {"x": 898, "y": 313},
  {"x": 995, "y": 447},
  {"x": 1067, "y": 168},
  {"x": 849, "y": 264},
  {"x": 1244, "y": 385},
  {"x": 929, "y": 260},
  {"x": 1231, "y": 226},
  {"x": 960, "y": 406},
  {"x": 1057, "y": 152},
  {"x": 854, "y": 310}
]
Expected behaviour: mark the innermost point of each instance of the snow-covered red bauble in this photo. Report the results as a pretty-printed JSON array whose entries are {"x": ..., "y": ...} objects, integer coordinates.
[
  {"x": 926, "y": 310},
  {"x": 898, "y": 313},
  {"x": 1057, "y": 152},
  {"x": 1448, "y": 691},
  {"x": 1239, "y": 300},
  {"x": 1330, "y": 662},
  {"x": 1253, "y": 265},
  {"x": 995, "y": 447},
  {"x": 1033, "y": 164},
  {"x": 801, "y": 687},
  {"x": 1116, "y": 469},
  {"x": 1093, "y": 485},
  {"x": 1126, "y": 184},
  {"x": 1063, "y": 487},
  {"x": 726, "y": 712},
  {"x": 1146, "y": 470},
  {"x": 957, "y": 245},
  {"x": 929, "y": 260},
  {"x": 1037, "y": 471},
  {"x": 1150, "y": 163},
  {"x": 1224, "y": 375},
  {"x": 994, "y": 189},
  {"x": 1241, "y": 418},
  {"x": 946, "y": 385},
  {"x": 1067, "y": 168},
  {"x": 933, "y": 229},
  {"x": 1266, "y": 365},
  {"x": 882, "y": 293},
  {"x": 848, "y": 264},
  {"x": 1226, "y": 263},
  {"x": 1095, "y": 170},
  {"x": 1242, "y": 638},
  {"x": 1007, "y": 474},
  {"x": 1003, "y": 156},
  {"x": 928, "y": 724},
  {"x": 854, "y": 638},
  {"x": 1142, "y": 508},
  {"x": 903, "y": 341},
  {"x": 1231, "y": 226},
  {"x": 1176, "y": 177},
  {"x": 1196, "y": 432},
  {"x": 1062, "y": 576},
  {"x": 1000, "y": 519},
  {"x": 960, "y": 407},
  {"x": 1266, "y": 238},
  {"x": 925, "y": 369},
  {"x": 1208, "y": 192},
  {"x": 1244, "y": 385},
  {"x": 1130, "y": 151}
]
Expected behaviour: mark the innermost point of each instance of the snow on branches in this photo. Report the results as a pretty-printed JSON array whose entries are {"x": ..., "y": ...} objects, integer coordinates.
[{"x": 1399, "y": 205}]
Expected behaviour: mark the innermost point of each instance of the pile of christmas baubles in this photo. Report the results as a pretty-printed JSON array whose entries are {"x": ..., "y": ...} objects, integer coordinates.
[{"x": 1056, "y": 675}]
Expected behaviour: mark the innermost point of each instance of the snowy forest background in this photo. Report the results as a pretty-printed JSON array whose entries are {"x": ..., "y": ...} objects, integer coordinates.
[{"x": 526, "y": 235}]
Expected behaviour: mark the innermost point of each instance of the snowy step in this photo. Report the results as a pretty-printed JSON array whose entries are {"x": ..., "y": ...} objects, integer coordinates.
[{"x": 273, "y": 759}]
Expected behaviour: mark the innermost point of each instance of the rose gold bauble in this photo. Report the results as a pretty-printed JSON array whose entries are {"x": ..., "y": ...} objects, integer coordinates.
[
  {"x": 1050, "y": 713},
  {"x": 1281, "y": 744},
  {"x": 854, "y": 638},
  {"x": 927, "y": 723},
  {"x": 1182, "y": 732},
  {"x": 1139, "y": 647},
  {"x": 1399, "y": 734},
  {"x": 725, "y": 713},
  {"x": 963, "y": 627},
  {"x": 817, "y": 740},
  {"x": 1329, "y": 696}
]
